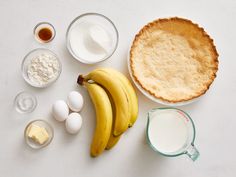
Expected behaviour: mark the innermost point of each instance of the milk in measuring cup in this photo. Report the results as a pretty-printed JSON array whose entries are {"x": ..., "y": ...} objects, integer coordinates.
[{"x": 168, "y": 131}]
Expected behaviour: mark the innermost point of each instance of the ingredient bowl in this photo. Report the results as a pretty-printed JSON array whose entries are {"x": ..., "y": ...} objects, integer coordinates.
[
  {"x": 92, "y": 38},
  {"x": 44, "y": 32},
  {"x": 42, "y": 124},
  {"x": 41, "y": 67},
  {"x": 25, "y": 102}
]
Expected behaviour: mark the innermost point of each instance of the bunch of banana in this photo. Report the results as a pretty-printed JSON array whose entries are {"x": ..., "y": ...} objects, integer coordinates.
[{"x": 108, "y": 85}]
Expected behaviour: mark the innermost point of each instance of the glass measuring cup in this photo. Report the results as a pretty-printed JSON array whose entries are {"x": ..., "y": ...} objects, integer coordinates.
[{"x": 171, "y": 132}]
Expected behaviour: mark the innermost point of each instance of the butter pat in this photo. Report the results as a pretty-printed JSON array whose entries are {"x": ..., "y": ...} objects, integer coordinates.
[{"x": 38, "y": 134}]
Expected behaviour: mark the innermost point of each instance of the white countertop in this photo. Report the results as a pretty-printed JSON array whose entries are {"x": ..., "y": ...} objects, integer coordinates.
[{"x": 69, "y": 155}]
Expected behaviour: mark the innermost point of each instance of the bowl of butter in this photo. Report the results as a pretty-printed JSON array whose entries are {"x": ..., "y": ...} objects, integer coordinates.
[{"x": 38, "y": 134}]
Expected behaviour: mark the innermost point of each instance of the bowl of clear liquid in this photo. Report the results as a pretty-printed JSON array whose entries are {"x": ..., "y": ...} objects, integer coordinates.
[
  {"x": 171, "y": 132},
  {"x": 92, "y": 38},
  {"x": 25, "y": 102}
]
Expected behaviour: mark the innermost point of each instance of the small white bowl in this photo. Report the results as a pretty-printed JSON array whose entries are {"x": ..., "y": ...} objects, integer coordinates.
[{"x": 32, "y": 54}]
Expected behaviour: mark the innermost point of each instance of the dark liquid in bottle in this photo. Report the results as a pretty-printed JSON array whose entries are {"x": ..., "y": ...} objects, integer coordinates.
[{"x": 45, "y": 34}]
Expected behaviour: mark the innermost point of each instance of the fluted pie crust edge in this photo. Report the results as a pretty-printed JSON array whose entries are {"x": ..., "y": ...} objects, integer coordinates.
[{"x": 168, "y": 55}]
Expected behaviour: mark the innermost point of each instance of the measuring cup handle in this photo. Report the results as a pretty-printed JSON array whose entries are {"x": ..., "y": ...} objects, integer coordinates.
[{"x": 192, "y": 152}]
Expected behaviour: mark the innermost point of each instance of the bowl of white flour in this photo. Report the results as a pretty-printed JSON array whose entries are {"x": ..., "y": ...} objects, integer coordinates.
[{"x": 41, "y": 67}]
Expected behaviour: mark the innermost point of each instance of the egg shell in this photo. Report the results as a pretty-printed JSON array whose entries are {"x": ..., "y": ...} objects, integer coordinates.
[
  {"x": 75, "y": 101},
  {"x": 60, "y": 110},
  {"x": 73, "y": 123}
]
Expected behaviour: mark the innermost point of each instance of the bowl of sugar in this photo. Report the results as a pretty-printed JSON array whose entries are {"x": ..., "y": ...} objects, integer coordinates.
[{"x": 92, "y": 38}]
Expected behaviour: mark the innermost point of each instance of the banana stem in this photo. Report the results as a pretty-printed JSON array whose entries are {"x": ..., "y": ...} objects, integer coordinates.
[{"x": 80, "y": 80}]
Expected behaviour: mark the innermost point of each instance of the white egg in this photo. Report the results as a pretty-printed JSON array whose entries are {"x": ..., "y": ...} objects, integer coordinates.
[
  {"x": 73, "y": 123},
  {"x": 75, "y": 101},
  {"x": 60, "y": 110}
]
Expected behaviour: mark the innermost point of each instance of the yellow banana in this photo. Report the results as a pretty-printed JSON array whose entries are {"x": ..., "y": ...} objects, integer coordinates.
[
  {"x": 113, "y": 140},
  {"x": 133, "y": 99},
  {"x": 115, "y": 88},
  {"x": 103, "y": 118}
]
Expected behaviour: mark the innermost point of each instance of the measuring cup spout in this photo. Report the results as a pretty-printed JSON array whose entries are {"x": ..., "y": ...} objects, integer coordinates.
[{"x": 192, "y": 152}]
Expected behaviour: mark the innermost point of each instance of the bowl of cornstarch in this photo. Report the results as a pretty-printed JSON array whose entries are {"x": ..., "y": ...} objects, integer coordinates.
[{"x": 41, "y": 67}]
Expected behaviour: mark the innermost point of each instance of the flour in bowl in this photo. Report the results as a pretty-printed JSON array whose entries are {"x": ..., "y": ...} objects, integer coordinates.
[{"x": 43, "y": 69}]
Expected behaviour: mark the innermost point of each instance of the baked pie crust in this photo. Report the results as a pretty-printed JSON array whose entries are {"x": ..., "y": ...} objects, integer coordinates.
[{"x": 173, "y": 59}]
